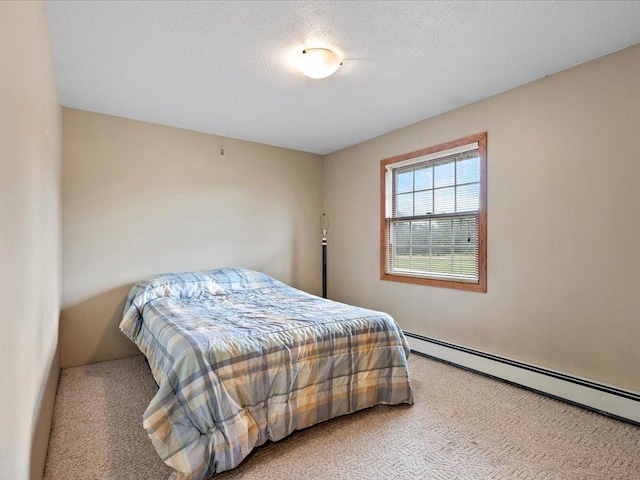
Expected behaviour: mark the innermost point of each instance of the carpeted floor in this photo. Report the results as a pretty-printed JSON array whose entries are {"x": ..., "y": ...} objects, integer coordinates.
[{"x": 462, "y": 426}]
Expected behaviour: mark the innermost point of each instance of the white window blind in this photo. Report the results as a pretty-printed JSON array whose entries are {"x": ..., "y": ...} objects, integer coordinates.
[{"x": 432, "y": 209}]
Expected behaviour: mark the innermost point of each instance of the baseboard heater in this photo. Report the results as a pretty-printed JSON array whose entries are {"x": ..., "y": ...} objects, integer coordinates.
[{"x": 611, "y": 401}]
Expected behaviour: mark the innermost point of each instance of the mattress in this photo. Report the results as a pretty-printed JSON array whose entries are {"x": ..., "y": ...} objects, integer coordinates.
[{"x": 241, "y": 358}]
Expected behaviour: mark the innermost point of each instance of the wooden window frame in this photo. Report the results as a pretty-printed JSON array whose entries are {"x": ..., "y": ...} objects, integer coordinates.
[{"x": 481, "y": 285}]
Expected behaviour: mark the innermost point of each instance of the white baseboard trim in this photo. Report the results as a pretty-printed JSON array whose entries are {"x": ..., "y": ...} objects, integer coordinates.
[{"x": 610, "y": 401}]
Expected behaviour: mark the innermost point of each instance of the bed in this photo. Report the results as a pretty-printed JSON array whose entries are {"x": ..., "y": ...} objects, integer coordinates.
[{"x": 241, "y": 358}]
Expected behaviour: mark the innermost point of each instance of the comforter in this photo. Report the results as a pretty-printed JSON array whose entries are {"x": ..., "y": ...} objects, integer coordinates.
[{"x": 241, "y": 358}]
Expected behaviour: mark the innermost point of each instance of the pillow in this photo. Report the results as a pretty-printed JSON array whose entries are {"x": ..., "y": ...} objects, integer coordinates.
[
  {"x": 234, "y": 278},
  {"x": 177, "y": 285}
]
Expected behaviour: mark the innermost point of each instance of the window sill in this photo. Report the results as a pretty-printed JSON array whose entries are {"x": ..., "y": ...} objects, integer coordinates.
[{"x": 432, "y": 282}]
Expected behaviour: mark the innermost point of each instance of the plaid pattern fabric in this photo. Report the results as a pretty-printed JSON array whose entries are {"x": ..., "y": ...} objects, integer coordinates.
[{"x": 251, "y": 359}]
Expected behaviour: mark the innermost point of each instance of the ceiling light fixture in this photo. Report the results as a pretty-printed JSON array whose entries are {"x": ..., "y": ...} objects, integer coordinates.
[{"x": 318, "y": 62}]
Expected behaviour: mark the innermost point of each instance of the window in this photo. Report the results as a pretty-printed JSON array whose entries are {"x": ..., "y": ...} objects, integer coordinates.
[{"x": 433, "y": 215}]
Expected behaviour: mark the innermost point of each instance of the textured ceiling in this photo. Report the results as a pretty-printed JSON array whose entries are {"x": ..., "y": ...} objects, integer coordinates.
[{"x": 226, "y": 67}]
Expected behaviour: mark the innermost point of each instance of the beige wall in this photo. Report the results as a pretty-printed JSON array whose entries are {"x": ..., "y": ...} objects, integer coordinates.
[
  {"x": 563, "y": 230},
  {"x": 30, "y": 155},
  {"x": 141, "y": 199}
]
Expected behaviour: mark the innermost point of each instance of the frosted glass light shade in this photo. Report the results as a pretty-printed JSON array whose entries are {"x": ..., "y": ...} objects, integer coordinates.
[{"x": 318, "y": 62}]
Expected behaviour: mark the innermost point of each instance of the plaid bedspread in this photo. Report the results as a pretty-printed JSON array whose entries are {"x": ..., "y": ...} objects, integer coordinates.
[{"x": 241, "y": 358}]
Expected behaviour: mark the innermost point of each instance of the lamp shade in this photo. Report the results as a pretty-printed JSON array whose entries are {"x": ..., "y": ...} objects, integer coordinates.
[{"x": 318, "y": 62}]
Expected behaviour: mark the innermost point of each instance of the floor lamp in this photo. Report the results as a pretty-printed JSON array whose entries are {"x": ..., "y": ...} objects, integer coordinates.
[{"x": 324, "y": 226}]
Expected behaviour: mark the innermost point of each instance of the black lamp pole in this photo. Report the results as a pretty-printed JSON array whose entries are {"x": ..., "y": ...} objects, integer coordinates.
[{"x": 324, "y": 225}]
